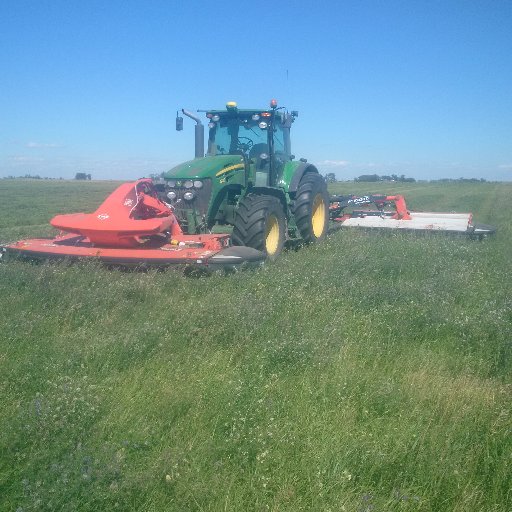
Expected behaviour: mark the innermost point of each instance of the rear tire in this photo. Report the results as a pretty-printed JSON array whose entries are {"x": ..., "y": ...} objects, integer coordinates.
[
  {"x": 260, "y": 223},
  {"x": 311, "y": 208}
]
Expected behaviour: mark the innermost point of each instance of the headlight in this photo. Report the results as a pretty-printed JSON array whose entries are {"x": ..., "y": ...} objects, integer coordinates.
[
  {"x": 171, "y": 195},
  {"x": 188, "y": 196},
  {"x": 188, "y": 184},
  {"x": 255, "y": 117},
  {"x": 263, "y": 125},
  {"x": 215, "y": 118},
  {"x": 171, "y": 183},
  {"x": 198, "y": 184}
]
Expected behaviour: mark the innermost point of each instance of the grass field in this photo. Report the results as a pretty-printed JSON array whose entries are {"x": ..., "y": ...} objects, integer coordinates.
[{"x": 369, "y": 373}]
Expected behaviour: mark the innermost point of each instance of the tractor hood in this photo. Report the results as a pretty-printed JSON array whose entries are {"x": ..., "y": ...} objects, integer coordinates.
[{"x": 205, "y": 167}]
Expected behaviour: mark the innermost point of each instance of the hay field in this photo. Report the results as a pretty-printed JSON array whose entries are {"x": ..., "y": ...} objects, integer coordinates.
[{"x": 369, "y": 373}]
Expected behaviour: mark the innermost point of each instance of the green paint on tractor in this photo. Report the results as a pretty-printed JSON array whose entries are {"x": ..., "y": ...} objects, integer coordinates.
[{"x": 248, "y": 179}]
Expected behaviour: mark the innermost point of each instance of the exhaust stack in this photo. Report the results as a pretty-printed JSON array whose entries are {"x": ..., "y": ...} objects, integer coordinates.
[{"x": 199, "y": 134}]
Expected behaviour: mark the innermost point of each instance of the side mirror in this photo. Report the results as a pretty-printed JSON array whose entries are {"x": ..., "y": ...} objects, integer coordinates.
[{"x": 179, "y": 123}]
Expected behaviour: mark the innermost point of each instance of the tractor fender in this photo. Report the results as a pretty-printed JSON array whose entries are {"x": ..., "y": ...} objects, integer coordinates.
[
  {"x": 301, "y": 169},
  {"x": 272, "y": 192}
]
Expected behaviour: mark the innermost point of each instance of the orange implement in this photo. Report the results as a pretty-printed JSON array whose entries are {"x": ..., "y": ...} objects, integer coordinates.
[{"x": 132, "y": 227}]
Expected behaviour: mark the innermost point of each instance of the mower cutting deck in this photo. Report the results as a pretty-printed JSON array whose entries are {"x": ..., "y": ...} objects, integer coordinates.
[
  {"x": 206, "y": 251},
  {"x": 134, "y": 228},
  {"x": 399, "y": 217}
]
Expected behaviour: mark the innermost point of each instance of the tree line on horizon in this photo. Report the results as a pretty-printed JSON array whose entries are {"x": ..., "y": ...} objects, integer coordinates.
[
  {"x": 371, "y": 178},
  {"x": 78, "y": 176},
  {"x": 331, "y": 178}
]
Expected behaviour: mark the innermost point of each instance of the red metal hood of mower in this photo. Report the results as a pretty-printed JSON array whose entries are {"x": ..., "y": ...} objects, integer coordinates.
[{"x": 130, "y": 212}]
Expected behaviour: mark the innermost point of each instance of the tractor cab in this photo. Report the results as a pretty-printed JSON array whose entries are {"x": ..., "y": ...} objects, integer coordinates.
[{"x": 260, "y": 137}]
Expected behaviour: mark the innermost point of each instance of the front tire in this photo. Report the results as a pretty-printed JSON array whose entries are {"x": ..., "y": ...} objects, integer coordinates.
[
  {"x": 311, "y": 208},
  {"x": 260, "y": 223}
]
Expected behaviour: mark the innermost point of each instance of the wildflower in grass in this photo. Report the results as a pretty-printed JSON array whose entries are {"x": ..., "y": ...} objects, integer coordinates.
[
  {"x": 261, "y": 456},
  {"x": 346, "y": 475}
]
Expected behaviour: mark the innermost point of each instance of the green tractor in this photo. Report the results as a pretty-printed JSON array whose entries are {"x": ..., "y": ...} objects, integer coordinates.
[{"x": 249, "y": 180}]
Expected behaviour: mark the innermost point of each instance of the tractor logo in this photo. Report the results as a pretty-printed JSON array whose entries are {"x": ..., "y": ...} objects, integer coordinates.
[
  {"x": 128, "y": 202},
  {"x": 103, "y": 216}
]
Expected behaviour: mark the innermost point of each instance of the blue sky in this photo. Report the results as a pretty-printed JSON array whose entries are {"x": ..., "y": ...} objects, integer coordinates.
[{"x": 415, "y": 87}]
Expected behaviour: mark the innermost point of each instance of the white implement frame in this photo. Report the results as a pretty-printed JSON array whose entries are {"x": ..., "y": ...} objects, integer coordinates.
[{"x": 423, "y": 221}]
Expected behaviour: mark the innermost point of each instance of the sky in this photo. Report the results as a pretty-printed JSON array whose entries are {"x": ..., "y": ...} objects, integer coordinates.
[{"x": 415, "y": 87}]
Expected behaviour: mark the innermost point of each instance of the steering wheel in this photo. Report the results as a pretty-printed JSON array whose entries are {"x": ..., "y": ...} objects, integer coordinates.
[{"x": 244, "y": 143}]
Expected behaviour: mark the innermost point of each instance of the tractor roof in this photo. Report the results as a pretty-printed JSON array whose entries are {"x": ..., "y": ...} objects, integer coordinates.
[
  {"x": 232, "y": 109},
  {"x": 241, "y": 111}
]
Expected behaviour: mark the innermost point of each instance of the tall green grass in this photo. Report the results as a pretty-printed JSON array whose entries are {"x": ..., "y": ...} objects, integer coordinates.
[{"x": 370, "y": 372}]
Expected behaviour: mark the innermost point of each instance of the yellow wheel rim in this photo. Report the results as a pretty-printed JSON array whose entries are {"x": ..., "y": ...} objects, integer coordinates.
[
  {"x": 272, "y": 235},
  {"x": 318, "y": 216}
]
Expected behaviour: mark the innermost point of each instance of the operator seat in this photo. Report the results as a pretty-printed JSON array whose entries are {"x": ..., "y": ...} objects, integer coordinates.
[{"x": 258, "y": 149}]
